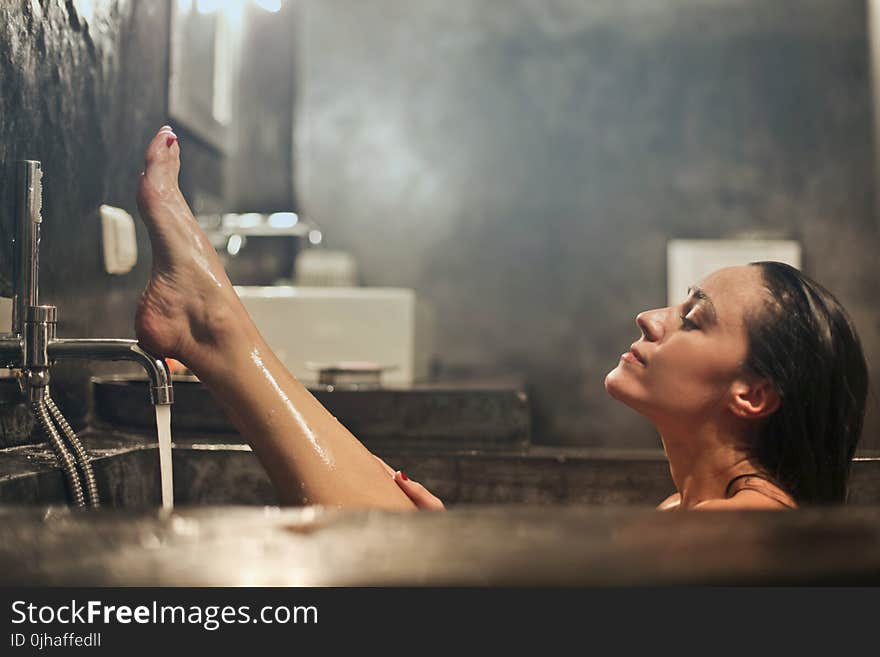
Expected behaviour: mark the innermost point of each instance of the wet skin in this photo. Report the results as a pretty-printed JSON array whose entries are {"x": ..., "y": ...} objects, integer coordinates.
[{"x": 189, "y": 311}]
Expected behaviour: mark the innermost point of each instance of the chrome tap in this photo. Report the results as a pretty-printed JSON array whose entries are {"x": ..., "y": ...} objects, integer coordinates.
[{"x": 32, "y": 346}]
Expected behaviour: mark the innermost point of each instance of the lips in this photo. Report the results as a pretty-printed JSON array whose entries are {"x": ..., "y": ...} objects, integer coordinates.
[{"x": 638, "y": 354}]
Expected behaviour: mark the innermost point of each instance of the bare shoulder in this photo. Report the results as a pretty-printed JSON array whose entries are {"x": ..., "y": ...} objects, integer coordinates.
[
  {"x": 742, "y": 501},
  {"x": 671, "y": 502}
]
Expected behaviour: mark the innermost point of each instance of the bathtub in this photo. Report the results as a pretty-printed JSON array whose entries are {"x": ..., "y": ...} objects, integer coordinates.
[{"x": 518, "y": 515}]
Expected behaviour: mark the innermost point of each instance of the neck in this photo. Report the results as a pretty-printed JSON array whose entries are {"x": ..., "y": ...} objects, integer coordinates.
[{"x": 703, "y": 460}]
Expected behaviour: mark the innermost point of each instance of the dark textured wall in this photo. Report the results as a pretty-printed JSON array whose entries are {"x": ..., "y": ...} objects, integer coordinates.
[
  {"x": 84, "y": 97},
  {"x": 522, "y": 164}
]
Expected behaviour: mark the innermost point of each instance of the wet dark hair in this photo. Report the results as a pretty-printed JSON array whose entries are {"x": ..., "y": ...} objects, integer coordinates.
[{"x": 805, "y": 344}]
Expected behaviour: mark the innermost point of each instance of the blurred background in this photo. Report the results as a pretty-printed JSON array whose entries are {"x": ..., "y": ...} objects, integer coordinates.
[{"x": 520, "y": 166}]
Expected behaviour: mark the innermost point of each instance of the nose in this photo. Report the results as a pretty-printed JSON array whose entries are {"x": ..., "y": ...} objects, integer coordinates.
[{"x": 651, "y": 324}]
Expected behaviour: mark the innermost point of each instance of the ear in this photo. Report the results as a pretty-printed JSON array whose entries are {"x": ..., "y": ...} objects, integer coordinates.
[{"x": 753, "y": 399}]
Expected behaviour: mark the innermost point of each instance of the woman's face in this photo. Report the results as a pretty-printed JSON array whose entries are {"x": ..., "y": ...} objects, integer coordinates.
[{"x": 690, "y": 354}]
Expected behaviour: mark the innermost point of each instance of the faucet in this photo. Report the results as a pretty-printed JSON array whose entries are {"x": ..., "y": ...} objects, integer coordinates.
[{"x": 32, "y": 346}]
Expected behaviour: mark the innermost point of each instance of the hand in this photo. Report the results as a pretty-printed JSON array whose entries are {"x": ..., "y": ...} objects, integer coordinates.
[{"x": 420, "y": 496}]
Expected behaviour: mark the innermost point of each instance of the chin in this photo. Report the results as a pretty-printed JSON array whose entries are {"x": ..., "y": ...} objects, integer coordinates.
[
  {"x": 617, "y": 385},
  {"x": 614, "y": 386}
]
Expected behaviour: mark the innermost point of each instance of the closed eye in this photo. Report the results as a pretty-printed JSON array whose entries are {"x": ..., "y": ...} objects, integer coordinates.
[{"x": 687, "y": 324}]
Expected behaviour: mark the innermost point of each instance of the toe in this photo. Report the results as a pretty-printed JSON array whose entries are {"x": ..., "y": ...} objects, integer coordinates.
[
  {"x": 163, "y": 150},
  {"x": 159, "y": 138}
]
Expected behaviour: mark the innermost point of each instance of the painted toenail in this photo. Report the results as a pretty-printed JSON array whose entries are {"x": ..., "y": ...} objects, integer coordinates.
[{"x": 170, "y": 141}]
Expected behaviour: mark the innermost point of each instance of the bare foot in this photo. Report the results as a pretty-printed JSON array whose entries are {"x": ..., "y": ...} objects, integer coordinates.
[{"x": 189, "y": 299}]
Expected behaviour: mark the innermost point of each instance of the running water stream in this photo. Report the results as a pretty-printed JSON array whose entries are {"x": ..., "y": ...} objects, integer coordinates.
[{"x": 163, "y": 425}]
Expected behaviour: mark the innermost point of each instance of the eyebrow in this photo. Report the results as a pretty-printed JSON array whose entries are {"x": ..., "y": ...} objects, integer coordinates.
[{"x": 701, "y": 295}]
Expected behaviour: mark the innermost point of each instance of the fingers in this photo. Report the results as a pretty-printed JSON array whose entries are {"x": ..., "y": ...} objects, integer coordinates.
[{"x": 420, "y": 496}]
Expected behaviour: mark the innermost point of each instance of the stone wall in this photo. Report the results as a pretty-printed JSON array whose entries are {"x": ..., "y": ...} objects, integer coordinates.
[
  {"x": 522, "y": 164},
  {"x": 84, "y": 94}
]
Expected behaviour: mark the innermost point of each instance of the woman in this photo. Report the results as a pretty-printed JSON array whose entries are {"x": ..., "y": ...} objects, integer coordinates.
[{"x": 756, "y": 383}]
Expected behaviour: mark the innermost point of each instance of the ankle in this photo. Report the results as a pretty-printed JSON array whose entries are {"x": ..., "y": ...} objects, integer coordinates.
[{"x": 220, "y": 334}]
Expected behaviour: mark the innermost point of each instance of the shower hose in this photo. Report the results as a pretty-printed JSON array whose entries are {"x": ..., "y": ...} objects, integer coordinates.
[{"x": 69, "y": 451}]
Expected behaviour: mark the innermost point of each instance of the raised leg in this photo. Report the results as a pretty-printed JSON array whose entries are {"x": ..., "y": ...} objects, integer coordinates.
[{"x": 189, "y": 311}]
